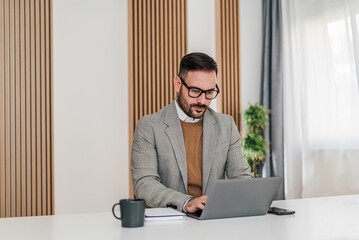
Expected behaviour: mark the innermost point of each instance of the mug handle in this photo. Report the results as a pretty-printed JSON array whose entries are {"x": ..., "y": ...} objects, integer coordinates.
[{"x": 113, "y": 211}]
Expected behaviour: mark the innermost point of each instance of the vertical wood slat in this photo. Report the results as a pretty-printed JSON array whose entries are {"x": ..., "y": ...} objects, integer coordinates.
[
  {"x": 6, "y": 121},
  {"x": 224, "y": 52},
  {"x": 42, "y": 104},
  {"x": 144, "y": 60},
  {"x": 51, "y": 129},
  {"x": 162, "y": 55},
  {"x": 174, "y": 44},
  {"x": 227, "y": 60},
  {"x": 12, "y": 111},
  {"x": 26, "y": 131},
  {"x": 16, "y": 179},
  {"x": 238, "y": 64},
  {"x": 166, "y": 52},
  {"x": 148, "y": 78},
  {"x": 153, "y": 57},
  {"x": 170, "y": 47},
  {"x": 157, "y": 59},
  {"x": 157, "y": 42},
  {"x": 2, "y": 214},
  {"x": 132, "y": 86},
  {"x": 231, "y": 60},
  {"x": 37, "y": 106},
  {"x": 133, "y": 71},
  {"x": 218, "y": 21},
  {"x": 27, "y": 109},
  {"x": 178, "y": 44},
  {"x": 227, "y": 52},
  {"x": 22, "y": 110},
  {"x": 236, "y": 59},
  {"x": 48, "y": 109},
  {"x": 32, "y": 107},
  {"x": 139, "y": 58}
]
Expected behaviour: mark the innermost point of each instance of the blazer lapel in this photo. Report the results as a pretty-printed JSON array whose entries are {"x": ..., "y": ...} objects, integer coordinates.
[
  {"x": 174, "y": 133},
  {"x": 210, "y": 133}
]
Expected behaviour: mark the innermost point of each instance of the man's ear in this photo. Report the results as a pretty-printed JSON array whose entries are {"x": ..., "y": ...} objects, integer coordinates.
[{"x": 177, "y": 83}]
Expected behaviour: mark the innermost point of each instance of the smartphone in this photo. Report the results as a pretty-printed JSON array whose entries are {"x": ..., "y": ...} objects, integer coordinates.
[{"x": 280, "y": 211}]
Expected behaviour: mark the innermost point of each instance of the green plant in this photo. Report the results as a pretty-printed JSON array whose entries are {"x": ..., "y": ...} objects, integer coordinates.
[{"x": 254, "y": 146}]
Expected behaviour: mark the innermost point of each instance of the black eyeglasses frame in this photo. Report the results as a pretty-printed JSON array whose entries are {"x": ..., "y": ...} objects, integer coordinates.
[{"x": 202, "y": 91}]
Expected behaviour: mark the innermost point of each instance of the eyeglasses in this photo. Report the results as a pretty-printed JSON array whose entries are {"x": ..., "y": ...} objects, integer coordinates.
[{"x": 195, "y": 92}]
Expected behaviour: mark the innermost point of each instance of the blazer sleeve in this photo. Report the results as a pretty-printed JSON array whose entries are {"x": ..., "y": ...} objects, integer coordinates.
[
  {"x": 236, "y": 165},
  {"x": 144, "y": 167}
]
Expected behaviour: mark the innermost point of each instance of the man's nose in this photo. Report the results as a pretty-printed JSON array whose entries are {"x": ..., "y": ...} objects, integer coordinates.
[{"x": 201, "y": 99}]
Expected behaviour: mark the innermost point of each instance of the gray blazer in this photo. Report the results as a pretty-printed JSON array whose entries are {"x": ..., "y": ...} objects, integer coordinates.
[{"x": 159, "y": 166}]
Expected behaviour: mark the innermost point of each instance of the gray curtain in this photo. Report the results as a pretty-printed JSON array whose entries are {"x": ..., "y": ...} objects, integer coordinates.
[{"x": 272, "y": 90}]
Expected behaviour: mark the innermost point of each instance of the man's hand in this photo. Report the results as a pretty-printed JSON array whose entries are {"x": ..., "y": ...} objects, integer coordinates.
[{"x": 196, "y": 204}]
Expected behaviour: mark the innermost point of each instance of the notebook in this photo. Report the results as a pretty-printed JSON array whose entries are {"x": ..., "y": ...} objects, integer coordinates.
[
  {"x": 239, "y": 198},
  {"x": 162, "y": 214}
]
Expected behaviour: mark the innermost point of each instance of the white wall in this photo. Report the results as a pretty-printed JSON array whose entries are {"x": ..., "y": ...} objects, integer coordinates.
[
  {"x": 251, "y": 50},
  {"x": 201, "y": 26},
  {"x": 90, "y": 104},
  {"x": 201, "y": 29}
]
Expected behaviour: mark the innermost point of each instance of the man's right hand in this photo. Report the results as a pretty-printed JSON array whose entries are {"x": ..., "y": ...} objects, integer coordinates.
[{"x": 196, "y": 204}]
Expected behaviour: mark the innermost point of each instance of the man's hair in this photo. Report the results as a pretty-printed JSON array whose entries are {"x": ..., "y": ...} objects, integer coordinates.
[{"x": 196, "y": 61}]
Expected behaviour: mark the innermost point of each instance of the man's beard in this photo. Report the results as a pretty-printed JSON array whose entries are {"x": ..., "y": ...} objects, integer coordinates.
[{"x": 184, "y": 106}]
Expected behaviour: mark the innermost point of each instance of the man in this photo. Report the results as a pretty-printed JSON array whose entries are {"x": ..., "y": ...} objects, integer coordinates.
[{"x": 178, "y": 152}]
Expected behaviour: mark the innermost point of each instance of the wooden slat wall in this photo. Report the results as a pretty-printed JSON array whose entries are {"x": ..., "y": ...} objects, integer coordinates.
[
  {"x": 26, "y": 126},
  {"x": 157, "y": 43},
  {"x": 227, "y": 55}
]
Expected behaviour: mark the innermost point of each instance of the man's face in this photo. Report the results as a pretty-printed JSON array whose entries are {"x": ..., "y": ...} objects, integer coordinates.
[{"x": 195, "y": 107}]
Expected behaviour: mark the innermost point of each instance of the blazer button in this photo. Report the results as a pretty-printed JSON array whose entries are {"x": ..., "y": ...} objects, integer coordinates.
[{"x": 171, "y": 206}]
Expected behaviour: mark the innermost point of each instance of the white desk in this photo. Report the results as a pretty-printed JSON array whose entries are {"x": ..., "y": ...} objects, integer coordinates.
[{"x": 316, "y": 218}]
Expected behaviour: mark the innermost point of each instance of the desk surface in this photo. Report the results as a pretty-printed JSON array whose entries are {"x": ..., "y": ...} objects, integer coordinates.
[{"x": 316, "y": 218}]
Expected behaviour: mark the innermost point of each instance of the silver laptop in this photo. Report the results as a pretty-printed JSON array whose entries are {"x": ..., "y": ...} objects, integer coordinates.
[{"x": 239, "y": 198}]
